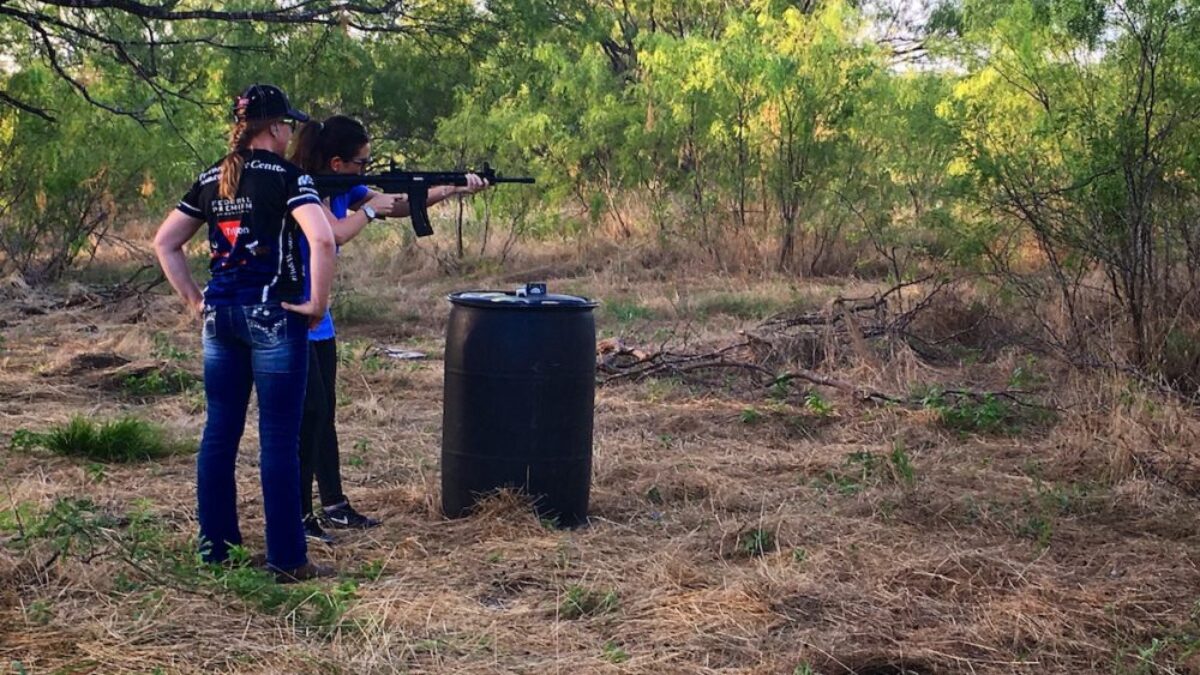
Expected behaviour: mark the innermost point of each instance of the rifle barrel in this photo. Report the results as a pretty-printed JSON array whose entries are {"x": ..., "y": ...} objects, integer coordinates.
[{"x": 401, "y": 181}]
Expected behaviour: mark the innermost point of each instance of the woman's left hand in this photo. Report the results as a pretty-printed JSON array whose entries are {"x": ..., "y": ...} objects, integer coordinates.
[{"x": 474, "y": 184}]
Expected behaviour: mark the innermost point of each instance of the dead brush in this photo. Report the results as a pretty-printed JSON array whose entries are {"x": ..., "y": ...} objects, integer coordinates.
[
  {"x": 857, "y": 334},
  {"x": 1123, "y": 430}
]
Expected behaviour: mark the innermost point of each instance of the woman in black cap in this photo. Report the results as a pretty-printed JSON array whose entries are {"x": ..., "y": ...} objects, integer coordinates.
[
  {"x": 340, "y": 145},
  {"x": 258, "y": 207}
]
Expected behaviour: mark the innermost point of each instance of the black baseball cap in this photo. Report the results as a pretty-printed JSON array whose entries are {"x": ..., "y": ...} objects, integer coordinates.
[{"x": 263, "y": 102}]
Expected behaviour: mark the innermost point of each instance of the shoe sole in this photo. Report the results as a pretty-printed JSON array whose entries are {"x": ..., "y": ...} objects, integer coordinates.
[{"x": 334, "y": 525}]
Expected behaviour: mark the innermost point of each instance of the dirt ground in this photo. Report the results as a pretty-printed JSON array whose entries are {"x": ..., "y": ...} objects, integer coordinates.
[{"x": 733, "y": 529}]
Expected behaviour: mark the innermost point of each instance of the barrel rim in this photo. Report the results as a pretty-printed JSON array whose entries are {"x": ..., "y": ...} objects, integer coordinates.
[{"x": 588, "y": 304}]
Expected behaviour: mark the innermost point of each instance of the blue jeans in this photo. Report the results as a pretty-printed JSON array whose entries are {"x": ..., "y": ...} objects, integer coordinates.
[{"x": 265, "y": 346}]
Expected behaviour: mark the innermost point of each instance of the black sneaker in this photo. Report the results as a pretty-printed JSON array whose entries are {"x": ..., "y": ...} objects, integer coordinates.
[
  {"x": 313, "y": 530},
  {"x": 344, "y": 516}
]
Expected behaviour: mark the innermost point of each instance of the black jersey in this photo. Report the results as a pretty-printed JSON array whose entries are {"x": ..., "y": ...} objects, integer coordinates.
[{"x": 253, "y": 239}]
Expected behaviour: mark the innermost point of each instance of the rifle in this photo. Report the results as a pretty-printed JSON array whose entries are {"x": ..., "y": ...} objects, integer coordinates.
[{"x": 415, "y": 184}]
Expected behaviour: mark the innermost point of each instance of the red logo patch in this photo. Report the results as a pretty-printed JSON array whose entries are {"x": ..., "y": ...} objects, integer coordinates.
[{"x": 230, "y": 228}]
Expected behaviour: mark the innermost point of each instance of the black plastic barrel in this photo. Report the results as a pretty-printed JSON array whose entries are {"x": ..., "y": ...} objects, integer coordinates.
[{"x": 519, "y": 395}]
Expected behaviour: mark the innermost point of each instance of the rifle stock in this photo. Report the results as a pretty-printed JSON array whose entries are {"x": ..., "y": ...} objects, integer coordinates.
[{"x": 415, "y": 184}]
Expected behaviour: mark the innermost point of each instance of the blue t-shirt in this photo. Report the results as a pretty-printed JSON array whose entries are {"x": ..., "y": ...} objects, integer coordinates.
[{"x": 339, "y": 205}]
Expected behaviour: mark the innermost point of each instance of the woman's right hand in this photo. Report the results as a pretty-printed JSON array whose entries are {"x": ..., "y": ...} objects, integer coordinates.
[
  {"x": 383, "y": 203},
  {"x": 315, "y": 312}
]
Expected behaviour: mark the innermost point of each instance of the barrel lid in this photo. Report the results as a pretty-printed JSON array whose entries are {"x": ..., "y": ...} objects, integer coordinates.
[{"x": 529, "y": 296}]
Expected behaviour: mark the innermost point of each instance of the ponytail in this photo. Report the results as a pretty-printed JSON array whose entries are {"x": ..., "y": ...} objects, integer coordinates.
[
  {"x": 239, "y": 140},
  {"x": 317, "y": 143}
]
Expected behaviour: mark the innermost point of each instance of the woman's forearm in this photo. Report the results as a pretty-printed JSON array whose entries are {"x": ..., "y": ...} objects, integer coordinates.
[
  {"x": 321, "y": 251},
  {"x": 442, "y": 193},
  {"x": 438, "y": 194},
  {"x": 169, "y": 241},
  {"x": 321, "y": 267},
  {"x": 175, "y": 267},
  {"x": 345, "y": 229}
]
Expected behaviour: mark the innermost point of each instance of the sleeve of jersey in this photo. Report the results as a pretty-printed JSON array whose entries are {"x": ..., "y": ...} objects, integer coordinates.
[
  {"x": 190, "y": 204},
  {"x": 301, "y": 191},
  {"x": 358, "y": 193}
]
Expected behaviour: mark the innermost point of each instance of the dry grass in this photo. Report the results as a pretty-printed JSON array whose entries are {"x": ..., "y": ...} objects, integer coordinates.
[{"x": 1058, "y": 548}]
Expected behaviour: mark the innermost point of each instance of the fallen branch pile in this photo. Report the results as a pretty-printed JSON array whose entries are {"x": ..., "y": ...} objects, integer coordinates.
[{"x": 765, "y": 357}]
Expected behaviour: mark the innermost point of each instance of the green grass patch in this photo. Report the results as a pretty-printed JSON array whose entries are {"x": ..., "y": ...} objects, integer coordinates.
[
  {"x": 165, "y": 349},
  {"x": 309, "y": 603},
  {"x": 152, "y": 558},
  {"x": 654, "y": 496},
  {"x": 737, "y": 305},
  {"x": 15, "y": 518},
  {"x": 756, "y": 542},
  {"x": 664, "y": 388},
  {"x": 858, "y": 472},
  {"x": 751, "y": 415},
  {"x": 1050, "y": 503},
  {"x": 127, "y": 439},
  {"x": 1037, "y": 527},
  {"x": 986, "y": 414},
  {"x": 159, "y": 382},
  {"x": 863, "y": 470},
  {"x": 625, "y": 311},
  {"x": 1071, "y": 499},
  {"x": 365, "y": 355},
  {"x": 351, "y": 308},
  {"x": 613, "y": 653},
  {"x": 814, "y": 403},
  {"x": 39, "y": 612},
  {"x": 1161, "y": 654},
  {"x": 578, "y": 602},
  {"x": 902, "y": 466},
  {"x": 371, "y": 570}
]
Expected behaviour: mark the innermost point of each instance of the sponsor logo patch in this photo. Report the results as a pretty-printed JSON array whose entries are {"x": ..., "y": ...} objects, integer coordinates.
[
  {"x": 231, "y": 229},
  {"x": 266, "y": 166}
]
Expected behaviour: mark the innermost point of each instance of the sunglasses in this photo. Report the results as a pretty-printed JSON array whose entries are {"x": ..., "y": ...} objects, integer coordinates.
[{"x": 291, "y": 124}]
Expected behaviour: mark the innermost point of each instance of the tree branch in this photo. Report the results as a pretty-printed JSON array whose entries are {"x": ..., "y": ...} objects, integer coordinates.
[
  {"x": 27, "y": 107},
  {"x": 64, "y": 30}
]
